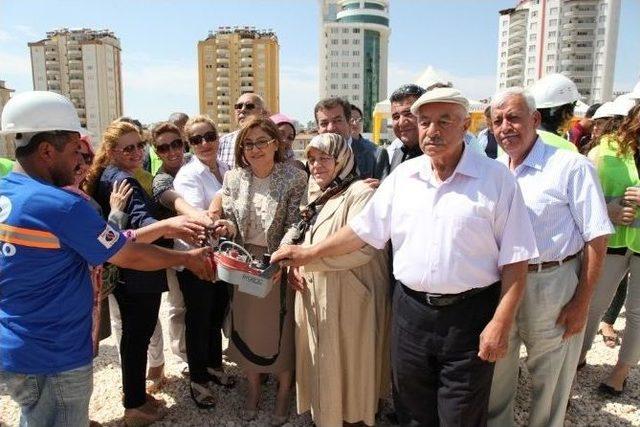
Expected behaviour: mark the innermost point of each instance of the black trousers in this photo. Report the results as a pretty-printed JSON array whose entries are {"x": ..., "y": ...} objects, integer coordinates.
[
  {"x": 139, "y": 313},
  {"x": 438, "y": 377},
  {"x": 206, "y": 305}
]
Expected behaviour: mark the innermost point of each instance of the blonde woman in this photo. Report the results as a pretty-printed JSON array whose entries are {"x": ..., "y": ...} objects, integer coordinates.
[{"x": 138, "y": 292}]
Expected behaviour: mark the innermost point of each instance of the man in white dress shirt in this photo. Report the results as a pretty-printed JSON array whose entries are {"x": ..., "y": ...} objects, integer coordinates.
[
  {"x": 461, "y": 240},
  {"x": 570, "y": 222}
]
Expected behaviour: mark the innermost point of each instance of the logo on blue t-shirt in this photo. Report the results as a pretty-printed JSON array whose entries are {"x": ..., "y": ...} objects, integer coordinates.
[{"x": 5, "y": 208}]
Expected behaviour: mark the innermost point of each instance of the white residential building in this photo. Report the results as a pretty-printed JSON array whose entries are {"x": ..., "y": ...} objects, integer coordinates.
[
  {"x": 577, "y": 38},
  {"x": 354, "y": 44},
  {"x": 83, "y": 65},
  {"x": 6, "y": 141}
]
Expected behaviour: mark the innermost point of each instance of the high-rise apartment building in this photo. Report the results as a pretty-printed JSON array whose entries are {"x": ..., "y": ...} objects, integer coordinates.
[
  {"x": 6, "y": 141},
  {"x": 577, "y": 38},
  {"x": 83, "y": 65},
  {"x": 354, "y": 42},
  {"x": 233, "y": 61}
]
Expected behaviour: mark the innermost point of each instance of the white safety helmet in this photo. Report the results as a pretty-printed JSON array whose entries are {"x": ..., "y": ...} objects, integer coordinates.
[
  {"x": 635, "y": 93},
  {"x": 623, "y": 104},
  {"x": 554, "y": 90},
  {"x": 604, "y": 111},
  {"x": 38, "y": 111}
]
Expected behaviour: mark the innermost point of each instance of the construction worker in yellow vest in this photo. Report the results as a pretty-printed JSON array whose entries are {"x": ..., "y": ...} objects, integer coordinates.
[{"x": 556, "y": 96}]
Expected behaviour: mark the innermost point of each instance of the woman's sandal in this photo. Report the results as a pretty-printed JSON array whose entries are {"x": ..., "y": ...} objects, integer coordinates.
[
  {"x": 221, "y": 378},
  {"x": 202, "y": 396}
]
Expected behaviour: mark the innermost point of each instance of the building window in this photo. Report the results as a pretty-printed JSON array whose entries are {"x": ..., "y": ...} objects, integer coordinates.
[
  {"x": 550, "y": 57},
  {"x": 553, "y": 11},
  {"x": 345, "y": 75},
  {"x": 334, "y": 86},
  {"x": 345, "y": 86},
  {"x": 551, "y": 45},
  {"x": 356, "y": 53},
  {"x": 356, "y": 41},
  {"x": 356, "y": 75},
  {"x": 550, "y": 69},
  {"x": 532, "y": 48},
  {"x": 345, "y": 65},
  {"x": 356, "y": 97},
  {"x": 533, "y": 26},
  {"x": 553, "y": 22},
  {"x": 355, "y": 86},
  {"x": 531, "y": 60},
  {"x": 345, "y": 41},
  {"x": 601, "y": 31},
  {"x": 532, "y": 37},
  {"x": 345, "y": 31},
  {"x": 334, "y": 31},
  {"x": 334, "y": 41},
  {"x": 356, "y": 31},
  {"x": 355, "y": 64},
  {"x": 600, "y": 43},
  {"x": 529, "y": 82},
  {"x": 552, "y": 33},
  {"x": 534, "y": 13}
]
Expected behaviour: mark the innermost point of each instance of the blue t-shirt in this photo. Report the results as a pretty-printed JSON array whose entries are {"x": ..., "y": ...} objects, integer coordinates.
[{"x": 48, "y": 239}]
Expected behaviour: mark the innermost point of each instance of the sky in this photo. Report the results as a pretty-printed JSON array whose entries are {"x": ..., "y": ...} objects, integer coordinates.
[{"x": 159, "y": 44}]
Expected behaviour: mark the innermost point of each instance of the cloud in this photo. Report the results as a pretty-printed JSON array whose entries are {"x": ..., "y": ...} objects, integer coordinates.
[
  {"x": 154, "y": 89},
  {"x": 299, "y": 90}
]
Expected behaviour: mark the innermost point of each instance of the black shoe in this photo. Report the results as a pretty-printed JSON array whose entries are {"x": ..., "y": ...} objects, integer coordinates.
[{"x": 610, "y": 391}]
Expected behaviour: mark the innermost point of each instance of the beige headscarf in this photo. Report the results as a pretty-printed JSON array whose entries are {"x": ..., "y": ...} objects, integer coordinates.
[{"x": 336, "y": 146}]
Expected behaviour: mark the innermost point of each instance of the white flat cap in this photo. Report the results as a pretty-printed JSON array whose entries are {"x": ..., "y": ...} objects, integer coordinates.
[{"x": 440, "y": 94}]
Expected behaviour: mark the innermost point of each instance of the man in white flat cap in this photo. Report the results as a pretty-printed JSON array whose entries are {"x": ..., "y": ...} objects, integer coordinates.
[{"x": 461, "y": 242}]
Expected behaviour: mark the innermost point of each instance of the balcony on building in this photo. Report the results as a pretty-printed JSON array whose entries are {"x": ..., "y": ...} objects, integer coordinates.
[
  {"x": 222, "y": 51},
  {"x": 222, "y": 87},
  {"x": 52, "y": 65},
  {"x": 246, "y": 41},
  {"x": 50, "y": 42},
  {"x": 223, "y": 80},
  {"x": 76, "y": 81},
  {"x": 223, "y": 98},
  {"x": 76, "y": 91},
  {"x": 244, "y": 51},
  {"x": 577, "y": 12},
  {"x": 72, "y": 42},
  {"x": 75, "y": 63},
  {"x": 245, "y": 60},
  {"x": 246, "y": 78},
  {"x": 224, "y": 117},
  {"x": 246, "y": 68},
  {"x": 51, "y": 53},
  {"x": 246, "y": 87},
  {"x": 223, "y": 72},
  {"x": 222, "y": 60}
]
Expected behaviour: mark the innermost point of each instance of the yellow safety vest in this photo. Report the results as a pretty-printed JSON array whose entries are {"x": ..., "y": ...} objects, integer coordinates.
[
  {"x": 556, "y": 141},
  {"x": 617, "y": 173}
]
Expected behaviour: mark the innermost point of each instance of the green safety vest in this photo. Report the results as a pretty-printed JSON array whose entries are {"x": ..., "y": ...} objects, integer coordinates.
[
  {"x": 616, "y": 174},
  {"x": 156, "y": 161},
  {"x": 6, "y": 166},
  {"x": 556, "y": 141},
  {"x": 550, "y": 139}
]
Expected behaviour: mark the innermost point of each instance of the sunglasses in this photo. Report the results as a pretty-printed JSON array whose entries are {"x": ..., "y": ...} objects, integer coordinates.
[
  {"x": 87, "y": 158},
  {"x": 247, "y": 105},
  {"x": 129, "y": 149},
  {"x": 249, "y": 146},
  {"x": 209, "y": 137},
  {"x": 176, "y": 144}
]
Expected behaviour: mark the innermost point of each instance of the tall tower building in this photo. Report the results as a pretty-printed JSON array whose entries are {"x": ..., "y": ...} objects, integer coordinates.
[
  {"x": 83, "y": 65},
  {"x": 6, "y": 141},
  {"x": 233, "y": 61},
  {"x": 354, "y": 42},
  {"x": 577, "y": 38}
]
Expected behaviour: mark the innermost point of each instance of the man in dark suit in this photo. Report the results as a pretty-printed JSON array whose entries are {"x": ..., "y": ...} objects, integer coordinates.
[
  {"x": 405, "y": 124},
  {"x": 333, "y": 115}
]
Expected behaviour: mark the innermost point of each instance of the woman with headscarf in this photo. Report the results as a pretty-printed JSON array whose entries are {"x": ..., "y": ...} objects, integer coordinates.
[{"x": 342, "y": 308}]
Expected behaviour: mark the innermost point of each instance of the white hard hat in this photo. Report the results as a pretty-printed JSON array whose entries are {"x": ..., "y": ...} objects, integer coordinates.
[
  {"x": 622, "y": 105},
  {"x": 635, "y": 93},
  {"x": 554, "y": 90},
  {"x": 39, "y": 111},
  {"x": 604, "y": 111}
]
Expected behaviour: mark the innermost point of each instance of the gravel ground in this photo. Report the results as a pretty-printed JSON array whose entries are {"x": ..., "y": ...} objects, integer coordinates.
[{"x": 587, "y": 408}]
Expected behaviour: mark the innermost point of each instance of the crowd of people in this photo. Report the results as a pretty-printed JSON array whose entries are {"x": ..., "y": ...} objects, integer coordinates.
[{"x": 415, "y": 270}]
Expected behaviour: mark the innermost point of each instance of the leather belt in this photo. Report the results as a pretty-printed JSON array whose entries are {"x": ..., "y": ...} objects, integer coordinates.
[
  {"x": 443, "y": 300},
  {"x": 550, "y": 264}
]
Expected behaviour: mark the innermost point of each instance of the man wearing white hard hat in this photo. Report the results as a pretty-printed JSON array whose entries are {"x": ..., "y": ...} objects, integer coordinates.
[
  {"x": 48, "y": 239},
  {"x": 570, "y": 223},
  {"x": 556, "y": 96},
  {"x": 461, "y": 241}
]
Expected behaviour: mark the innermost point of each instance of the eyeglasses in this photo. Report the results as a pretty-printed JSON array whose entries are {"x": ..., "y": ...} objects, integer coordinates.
[
  {"x": 129, "y": 149},
  {"x": 322, "y": 159},
  {"x": 209, "y": 137},
  {"x": 176, "y": 144},
  {"x": 261, "y": 145},
  {"x": 247, "y": 105}
]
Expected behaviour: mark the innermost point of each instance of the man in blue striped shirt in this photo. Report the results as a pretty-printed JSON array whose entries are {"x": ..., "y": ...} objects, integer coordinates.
[{"x": 570, "y": 222}]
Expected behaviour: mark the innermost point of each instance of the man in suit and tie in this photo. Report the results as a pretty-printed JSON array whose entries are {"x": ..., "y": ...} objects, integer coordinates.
[{"x": 405, "y": 125}]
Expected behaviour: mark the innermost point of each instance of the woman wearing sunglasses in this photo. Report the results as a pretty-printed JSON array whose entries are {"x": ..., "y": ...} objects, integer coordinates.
[
  {"x": 261, "y": 197},
  {"x": 196, "y": 183},
  {"x": 138, "y": 293}
]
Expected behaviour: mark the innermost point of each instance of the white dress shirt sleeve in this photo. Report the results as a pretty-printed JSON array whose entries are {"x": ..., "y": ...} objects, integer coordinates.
[
  {"x": 190, "y": 189},
  {"x": 373, "y": 224},
  {"x": 586, "y": 202},
  {"x": 512, "y": 227}
]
